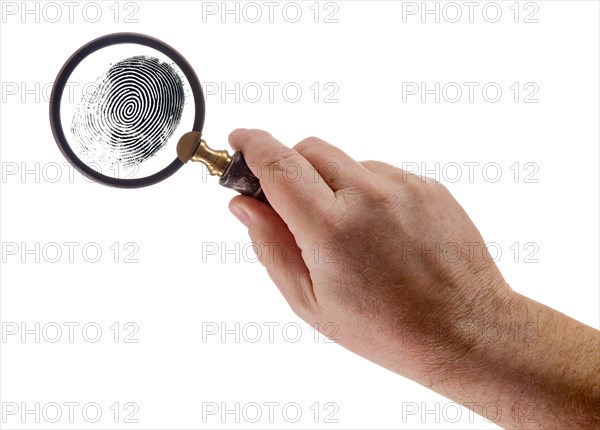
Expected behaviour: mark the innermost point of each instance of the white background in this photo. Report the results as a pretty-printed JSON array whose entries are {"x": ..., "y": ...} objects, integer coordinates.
[{"x": 177, "y": 288}]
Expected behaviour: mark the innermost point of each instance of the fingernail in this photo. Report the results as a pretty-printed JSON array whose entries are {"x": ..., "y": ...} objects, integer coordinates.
[
  {"x": 238, "y": 130},
  {"x": 240, "y": 214}
]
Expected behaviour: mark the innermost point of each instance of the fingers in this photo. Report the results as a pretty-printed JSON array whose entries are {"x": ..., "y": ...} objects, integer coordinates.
[
  {"x": 278, "y": 252},
  {"x": 379, "y": 167},
  {"x": 287, "y": 180},
  {"x": 337, "y": 168}
]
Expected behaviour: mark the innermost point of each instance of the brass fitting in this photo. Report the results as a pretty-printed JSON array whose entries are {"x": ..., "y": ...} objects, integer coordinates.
[{"x": 192, "y": 147}]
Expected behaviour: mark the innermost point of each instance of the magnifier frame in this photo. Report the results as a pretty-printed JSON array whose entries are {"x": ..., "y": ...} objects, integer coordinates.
[{"x": 67, "y": 70}]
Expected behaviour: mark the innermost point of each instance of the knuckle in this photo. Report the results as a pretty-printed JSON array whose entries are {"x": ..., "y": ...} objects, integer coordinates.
[
  {"x": 374, "y": 192},
  {"x": 417, "y": 185},
  {"x": 377, "y": 165},
  {"x": 280, "y": 164},
  {"x": 308, "y": 143},
  {"x": 277, "y": 160},
  {"x": 420, "y": 189}
]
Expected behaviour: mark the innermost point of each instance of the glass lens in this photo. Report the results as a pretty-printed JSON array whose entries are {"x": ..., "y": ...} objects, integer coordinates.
[{"x": 124, "y": 108}]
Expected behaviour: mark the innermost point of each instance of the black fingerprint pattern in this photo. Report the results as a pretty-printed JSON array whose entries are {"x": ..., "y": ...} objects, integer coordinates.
[{"x": 131, "y": 114}]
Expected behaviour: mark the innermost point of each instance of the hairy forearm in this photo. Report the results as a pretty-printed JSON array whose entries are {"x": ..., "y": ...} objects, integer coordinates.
[{"x": 525, "y": 366}]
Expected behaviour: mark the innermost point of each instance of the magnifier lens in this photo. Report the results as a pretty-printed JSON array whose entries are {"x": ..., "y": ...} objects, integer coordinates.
[{"x": 126, "y": 108}]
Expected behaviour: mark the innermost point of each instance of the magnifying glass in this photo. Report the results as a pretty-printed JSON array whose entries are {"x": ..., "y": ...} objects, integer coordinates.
[{"x": 127, "y": 110}]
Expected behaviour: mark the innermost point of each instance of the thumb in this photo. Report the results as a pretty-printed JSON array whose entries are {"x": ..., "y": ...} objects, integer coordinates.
[{"x": 276, "y": 249}]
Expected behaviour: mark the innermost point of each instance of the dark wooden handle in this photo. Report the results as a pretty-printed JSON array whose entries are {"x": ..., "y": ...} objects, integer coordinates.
[{"x": 239, "y": 177}]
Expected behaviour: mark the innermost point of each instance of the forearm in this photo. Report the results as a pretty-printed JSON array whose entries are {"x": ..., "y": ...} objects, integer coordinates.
[{"x": 525, "y": 366}]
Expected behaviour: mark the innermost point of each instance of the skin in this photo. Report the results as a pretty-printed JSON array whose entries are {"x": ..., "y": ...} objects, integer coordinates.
[{"x": 394, "y": 264}]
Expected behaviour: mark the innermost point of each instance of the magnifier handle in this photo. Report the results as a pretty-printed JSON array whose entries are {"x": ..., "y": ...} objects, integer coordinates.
[
  {"x": 239, "y": 177},
  {"x": 233, "y": 170}
]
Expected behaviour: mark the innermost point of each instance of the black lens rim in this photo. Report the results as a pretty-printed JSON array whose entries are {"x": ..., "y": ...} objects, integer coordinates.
[{"x": 67, "y": 70}]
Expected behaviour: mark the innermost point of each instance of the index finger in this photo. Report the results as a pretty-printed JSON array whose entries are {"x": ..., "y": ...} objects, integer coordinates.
[{"x": 292, "y": 186}]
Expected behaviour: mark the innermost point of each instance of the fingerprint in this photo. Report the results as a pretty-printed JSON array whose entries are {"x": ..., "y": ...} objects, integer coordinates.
[{"x": 131, "y": 114}]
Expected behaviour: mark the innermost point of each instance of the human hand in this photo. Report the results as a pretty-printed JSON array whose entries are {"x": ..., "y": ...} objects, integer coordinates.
[
  {"x": 394, "y": 263},
  {"x": 389, "y": 258}
]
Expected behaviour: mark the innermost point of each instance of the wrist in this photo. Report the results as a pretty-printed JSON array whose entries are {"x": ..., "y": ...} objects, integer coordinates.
[{"x": 480, "y": 327}]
